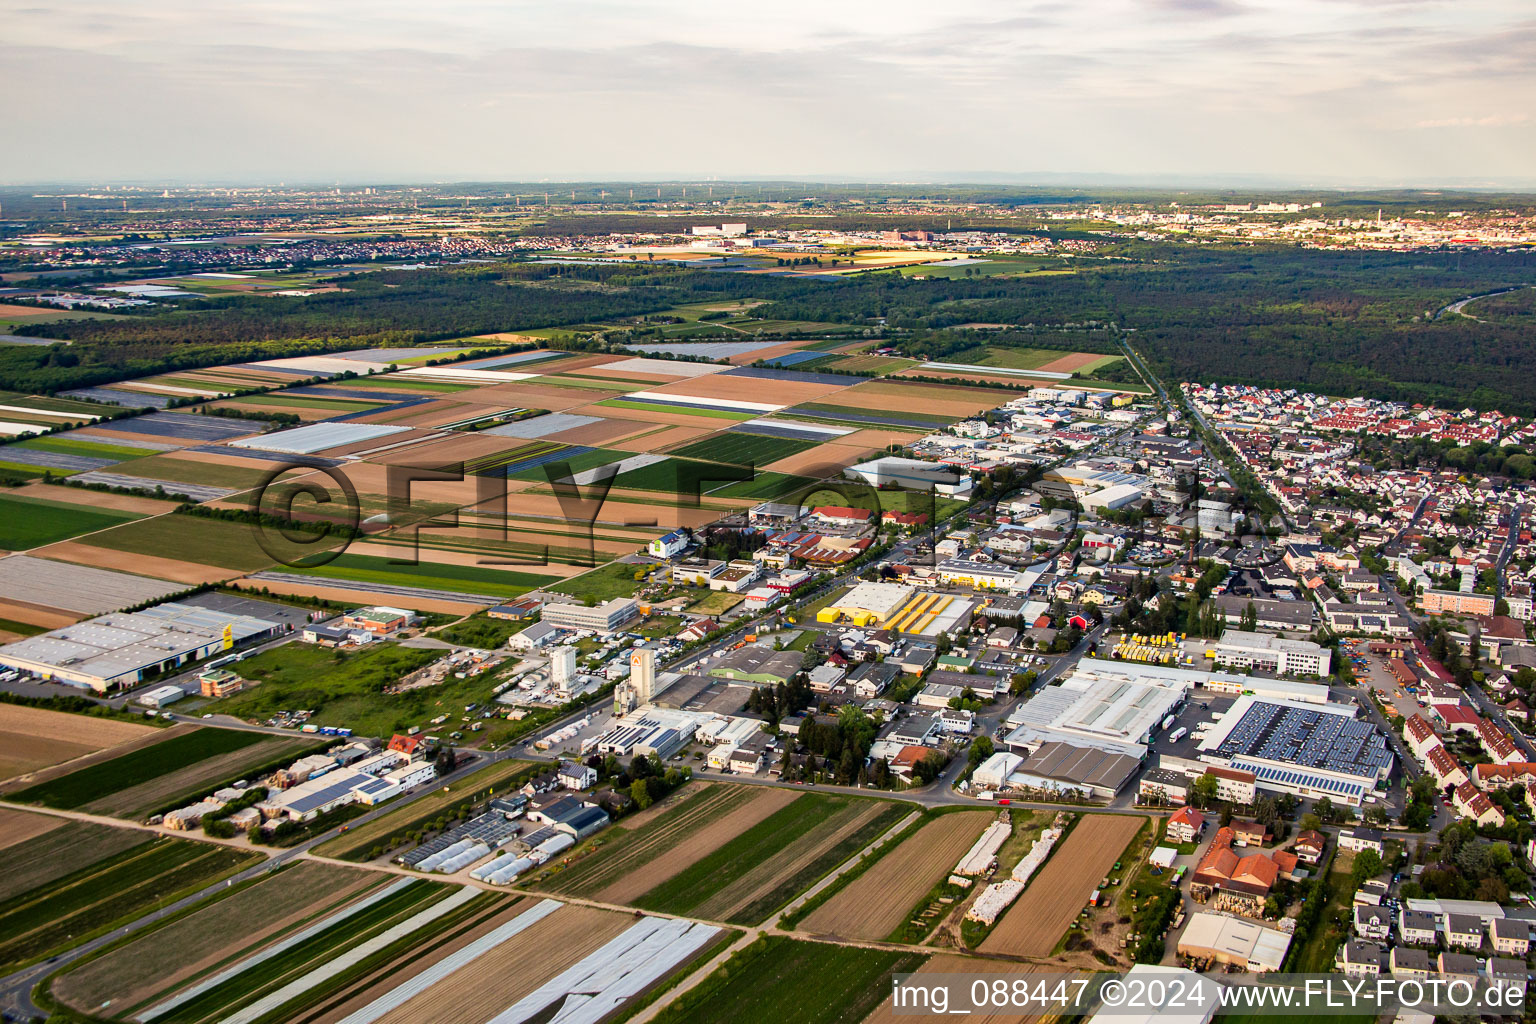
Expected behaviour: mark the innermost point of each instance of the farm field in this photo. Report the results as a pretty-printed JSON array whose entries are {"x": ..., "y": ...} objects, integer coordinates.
[
  {"x": 17, "y": 827},
  {"x": 630, "y": 861},
  {"x": 33, "y": 738},
  {"x": 876, "y": 902},
  {"x": 279, "y": 981},
  {"x": 743, "y": 449},
  {"x": 90, "y": 891},
  {"x": 212, "y": 542},
  {"x": 746, "y": 878},
  {"x": 1034, "y": 924},
  {"x": 764, "y": 486},
  {"x": 136, "y": 971},
  {"x": 154, "y": 778},
  {"x": 507, "y": 972},
  {"x": 107, "y": 777},
  {"x": 358, "y": 841},
  {"x": 779, "y": 980},
  {"x": 472, "y": 579},
  {"x": 945, "y": 964}
]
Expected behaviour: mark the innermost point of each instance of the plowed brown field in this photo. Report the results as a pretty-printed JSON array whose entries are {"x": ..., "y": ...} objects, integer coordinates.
[
  {"x": 1034, "y": 924},
  {"x": 32, "y": 738},
  {"x": 673, "y": 842},
  {"x": 874, "y": 904},
  {"x": 885, "y": 1014}
]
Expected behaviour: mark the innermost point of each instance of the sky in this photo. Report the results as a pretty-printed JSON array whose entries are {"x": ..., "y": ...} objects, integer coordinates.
[{"x": 1367, "y": 92}]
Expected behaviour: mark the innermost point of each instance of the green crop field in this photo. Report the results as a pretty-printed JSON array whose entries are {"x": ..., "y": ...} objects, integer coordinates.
[
  {"x": 32, "y": 522},
  {"x": 475, "y": 579},
  {"x": 76, "y": 446},
  {"x": 91, "y": 900},
  {"x": 677, "y": 410},
  {"x": 759, "y": 853},
  {"x": 106, "y": 777},
  {"x": 827, "y": 410},
  {"x": 1008, "y": 357},
  {"x": 344, "y": 688},
  {"x": 169, "y": 468},
  {"x": 779, "y": 980},
  {"x": 742, "y": 449},
  {"x": 226, "y": 545},
  {"x": 763, "y": 486},
  {"x": 51, "y": 404},
  {"x": 685, "y": 478}
]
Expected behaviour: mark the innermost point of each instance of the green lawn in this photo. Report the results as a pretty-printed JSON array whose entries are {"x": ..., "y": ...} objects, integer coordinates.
[
  {"x": 616, "y": 579},
  {"x": 482, "y": 631},
  {"x": 779, "y": 980},
  {"x": 130, "y": 769},
  {"x": 474, "y": 579},
  {"x": 27, "y": 522}
]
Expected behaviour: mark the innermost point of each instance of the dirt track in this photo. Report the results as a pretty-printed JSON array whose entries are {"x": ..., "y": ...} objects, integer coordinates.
[{"x": 1033, "y": 925}]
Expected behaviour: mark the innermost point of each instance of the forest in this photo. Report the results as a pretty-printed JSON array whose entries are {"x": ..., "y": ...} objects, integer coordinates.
[{"x": 1344, "y": 323}]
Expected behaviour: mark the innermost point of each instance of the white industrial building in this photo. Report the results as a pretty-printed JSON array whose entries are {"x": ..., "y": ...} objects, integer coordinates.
[
  {"x": 603, "y": 618},
  {"x": 121, "y": 649},
  {"x": 1234, "y": 940},
  {"x": 1217, "y": 682},
  {"x": 1113, "y": 711},
  {"x": 1244, "y": 649},
  {"x": 913, "y": 474}
]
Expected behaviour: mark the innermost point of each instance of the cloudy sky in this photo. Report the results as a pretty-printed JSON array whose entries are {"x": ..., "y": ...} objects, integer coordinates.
[{"x": 1303, "y": 91}]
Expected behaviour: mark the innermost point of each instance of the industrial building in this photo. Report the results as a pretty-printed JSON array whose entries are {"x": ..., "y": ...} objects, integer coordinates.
[
  {"x": 754, "y": 664},
  {"x": 1109, "y": 709},
  {"x": 1244, "y": 649},
  {"x": 1216, "y": 682},
  {"x": 1065, "y": 766},
  {"x": 122, "y": 649},
  {"x": 1303, "y": 749},
  {"x": 603, "y": 618},
  {"x": 1232, "y": 940},
  {"x": 913, "y": 474}
]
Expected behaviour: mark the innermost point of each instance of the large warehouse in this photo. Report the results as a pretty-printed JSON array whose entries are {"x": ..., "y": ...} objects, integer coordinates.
[
  {"x": 1309, "y": 750},
  {"x": 119, "y": 650},
  {"x": 1110, "y": 710},
  {"x": 914, "y": 611}
]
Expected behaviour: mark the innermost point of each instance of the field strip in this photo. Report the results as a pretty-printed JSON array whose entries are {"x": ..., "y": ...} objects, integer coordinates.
[
  {"x": 351, "y": 957},
  {"x": 170, "y": 1004},
  {"x": 626, "y": 966},
  {"x": 700, "y": 838},
  {"x": 437, "y": 972},
  {"x": 1034, "y": 924},
  {"x": 760, "y": 880},
  {"x": 851, "y": 862}
]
